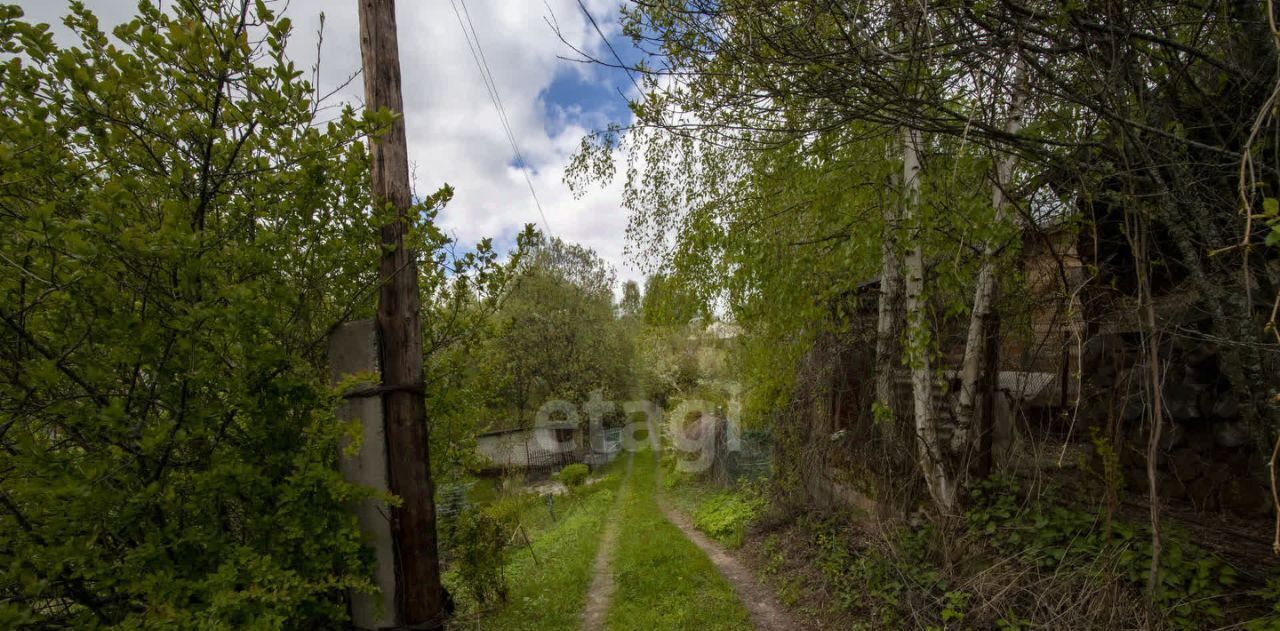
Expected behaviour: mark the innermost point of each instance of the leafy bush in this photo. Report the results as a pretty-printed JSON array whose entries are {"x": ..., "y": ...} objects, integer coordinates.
[
  {"x": 574, "y": 474},
  {"x": 480, "y": 555},
  {"x": 185, "y": 233},
  {"x": 1269, "y": 593},
  {"x": 898, "y": 578},
  {"x": 672, "y": 475},
  {"x": 726, "y": 515},
  {"x": 879, "y": 582},
  {"x": 512, "y": 482},
  {"x": 508, "y": 507}
]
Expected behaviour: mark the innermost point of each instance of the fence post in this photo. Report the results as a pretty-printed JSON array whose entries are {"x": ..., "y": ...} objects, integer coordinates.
[{"x": 353, "y": 349}]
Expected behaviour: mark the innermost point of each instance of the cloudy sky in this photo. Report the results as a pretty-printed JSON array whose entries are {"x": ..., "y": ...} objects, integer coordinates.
[{"x": 454, "y": 132}]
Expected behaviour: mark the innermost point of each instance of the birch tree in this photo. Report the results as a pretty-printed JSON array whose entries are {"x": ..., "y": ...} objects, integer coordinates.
[
  {"x": 929, "y": 448},
  {"x": 986, "y": 286}
]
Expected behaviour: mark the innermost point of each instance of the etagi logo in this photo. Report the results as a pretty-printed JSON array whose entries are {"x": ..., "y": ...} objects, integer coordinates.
[{"x": 695, "y": 428}]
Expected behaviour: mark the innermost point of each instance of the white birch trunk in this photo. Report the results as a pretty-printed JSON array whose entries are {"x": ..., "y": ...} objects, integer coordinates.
[
  {"x": 929, "y": 452},
  {"x": 888, "y": 356},
  {"x": 986, "y": 287}
]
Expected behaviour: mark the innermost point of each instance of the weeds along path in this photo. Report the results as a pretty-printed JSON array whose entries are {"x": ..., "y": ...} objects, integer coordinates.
[
  {"x": 548, "y": 584},
  {"x": 767, "y": 614},
  {"x": 662, "y": 580},
  {"x": 603, "y": 586}
]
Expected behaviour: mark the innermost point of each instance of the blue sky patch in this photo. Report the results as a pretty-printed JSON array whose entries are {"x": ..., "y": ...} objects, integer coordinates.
[{"x": 591, "y": 95}]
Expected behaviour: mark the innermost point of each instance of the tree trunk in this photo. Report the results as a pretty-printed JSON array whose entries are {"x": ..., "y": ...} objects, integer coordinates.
[
  {"x": 989, "y": 385},
  {"x": 1153, "y": 444},
  {"x": 888, "y": 327},
  {"x": 419, "y": 597},
  {"x": 987, "y": 285},
  {"x": 929, "y": 452},
  {"x": 1137, "y": 232}
]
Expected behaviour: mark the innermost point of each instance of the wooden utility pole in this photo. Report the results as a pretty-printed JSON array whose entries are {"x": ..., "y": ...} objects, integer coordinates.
[{"x": 419, "y": 598}]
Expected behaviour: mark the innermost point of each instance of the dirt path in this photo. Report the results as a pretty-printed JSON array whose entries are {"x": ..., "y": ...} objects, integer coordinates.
[
  {"x": 766, "y": 613},
  {"x": 602, "y": 586}
]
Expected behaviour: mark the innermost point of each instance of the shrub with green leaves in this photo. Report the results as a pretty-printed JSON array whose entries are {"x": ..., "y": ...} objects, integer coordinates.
[
  {"x": 725, "y": 516},
  {"x": 1056, "y": 537},
  {"x": 178, "y": 233},
  {"x": 880, "y": 582},
  {"x": 480, "y": 555},
  {"x": 574, "y": 474}
]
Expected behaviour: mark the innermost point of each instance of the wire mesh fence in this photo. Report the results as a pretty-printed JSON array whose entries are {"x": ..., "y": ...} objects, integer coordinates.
[
  {"x": 753, "y": 458},
  {"x": 604, "y": 446}
]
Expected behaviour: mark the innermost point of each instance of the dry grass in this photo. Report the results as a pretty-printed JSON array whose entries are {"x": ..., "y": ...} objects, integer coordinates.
[{"x": 1000, "y": 592}]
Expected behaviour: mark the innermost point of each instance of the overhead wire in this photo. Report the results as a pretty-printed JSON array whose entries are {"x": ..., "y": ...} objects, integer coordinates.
[{"x": 495, "y": 96}]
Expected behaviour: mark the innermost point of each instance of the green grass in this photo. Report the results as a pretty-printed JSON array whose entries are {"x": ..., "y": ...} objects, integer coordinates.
[
  {"x": 664, "y": 581},
  {"x": 721, "y": 514},
  {"x": 548, "y": 593},
  {"x": 482, "y": 491}
]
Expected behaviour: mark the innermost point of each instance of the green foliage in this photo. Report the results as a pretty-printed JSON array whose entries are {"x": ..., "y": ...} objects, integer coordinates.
[
  {"x": 672, "y": 476},
  {"x": 1052, "y": 536},
  {"x": 772, "y": 203},
  {"x": 725, "y": 516},
  {"x": 547, "y": 585},
  {"x": 1012, "y": 622},
  {"x": 771, "y": 550},
  {"x": 667, "y": 302},
  {"x": 1269, "y": 593},
  {"x": 900, "y": 579},
  {"x": 1271, "y": 214},
  {"x": 556, "y": 335},
  {"x": 1112, "y": 475},
  {"x": 462, "y": 298},
  {"x": 479, "y": 553},
  {"x": 630, "y": 306},
  {"x": 953, "y": 610},
  {"x": 574, "y": 474},
  {"x": 180, "y": 230},
  {"x": 880, "y": 582},
  {"x": 511, "y": 504},
  {"x": 666, "y": 363}
]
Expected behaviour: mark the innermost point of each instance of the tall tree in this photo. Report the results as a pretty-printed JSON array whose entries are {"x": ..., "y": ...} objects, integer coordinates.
[
  {"x": 668, "y": 301},
  {"x": 180, "y": 230},
  {"x": 631, "y": 305},
  {"x": 986, "y": 284},
  {"x": 558, "y": 335},
  {"x": 1117, "y": 107}
]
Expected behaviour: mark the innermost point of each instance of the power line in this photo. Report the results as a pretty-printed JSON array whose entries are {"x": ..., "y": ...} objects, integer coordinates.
[
  {"x": 609, "y": 45},
  {"x": 495, "y": 97},
  {"x": 486, "y": 76}
]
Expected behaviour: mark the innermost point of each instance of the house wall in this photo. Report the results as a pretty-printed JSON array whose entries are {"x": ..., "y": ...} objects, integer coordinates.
[
  {"x": 546, "y": 440},
  {"x": 504, "y": 450},
  {"x": 525, "y": 448},
  {"x": 1046, "y": 341}
]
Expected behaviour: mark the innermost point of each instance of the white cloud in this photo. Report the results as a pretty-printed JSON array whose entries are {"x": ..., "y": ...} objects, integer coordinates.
[{"x": 453, "y": 130}]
